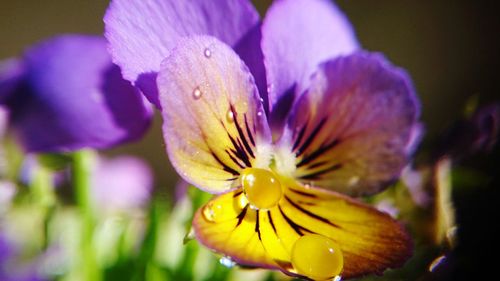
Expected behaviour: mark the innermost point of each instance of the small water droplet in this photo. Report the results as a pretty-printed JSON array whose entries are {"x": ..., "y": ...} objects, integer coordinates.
[
  {"x": 207, "y": 52},
  {"x": 230, "y": 116},
  {"x": 197, "y": 93},
  {"x": 259, "y": 113},
  {"x": 242, "y": 201},
  {"x": 227, "y": 262},
  {"x": 353, "y": 181},
  {"x": 212, "y": 211},
  {"x": 436, "y": 263},
  {"x": 337, "y": 278}
]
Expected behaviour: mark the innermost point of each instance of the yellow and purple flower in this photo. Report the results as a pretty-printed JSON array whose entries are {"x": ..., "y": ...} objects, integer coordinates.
[{"x": 284, "y": 119}]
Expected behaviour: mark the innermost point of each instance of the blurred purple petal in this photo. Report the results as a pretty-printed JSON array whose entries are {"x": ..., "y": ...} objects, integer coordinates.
[
  {"x": 414, "y": 180},
  {"x": 7, "y": 193},
  {"x": 478, "y": 133},
  {"x": 297, "y": 35},
  {"x": 121, "y": 183},
  {"x": 141, "y": 33},
  {"x": 13, "y": 266},
  {"x": 4, "y": 119},
  {"x": 11, "y": 74},
  {"x": 74, "y": 97},
  {"x": 350, "y": 131}
]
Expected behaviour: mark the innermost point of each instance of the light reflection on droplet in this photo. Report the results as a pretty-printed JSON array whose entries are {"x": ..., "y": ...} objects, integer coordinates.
[
  {"x": 259, "y": 113},
  {"x": 227, "y": 262},
  {"x": 197, "y": 93},
  {"x": 242, "y": 202},
  {"x": 207, "y": 53},
  {"x": 230, "y": 116},
  {"x": 337, "y": 278}
]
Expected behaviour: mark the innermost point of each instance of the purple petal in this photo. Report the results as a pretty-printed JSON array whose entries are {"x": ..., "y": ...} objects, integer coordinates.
[
  {"x": 11, "y": 75},
  {"x": 121, "y": 183},
  {"x": 4, "y": 118},
  {"x": 74, "y": 97},
  {"x": 249, "y": 50},
  {"x": 7, "y": 192},
  {"x": 141, "y": 33},
  {"x": 351, "y": 131},
  {"x": 297, "y": 35},
  {"x": 214, "y": 123}
]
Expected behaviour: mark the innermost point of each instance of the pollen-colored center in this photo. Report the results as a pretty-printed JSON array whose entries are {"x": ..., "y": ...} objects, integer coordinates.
[
  {"x": 317, "y": 257},
  {"x": 261, "y": 187}
]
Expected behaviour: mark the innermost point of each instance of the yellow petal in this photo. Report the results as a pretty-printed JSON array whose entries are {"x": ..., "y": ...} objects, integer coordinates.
[{"x": 370, "y": 241}]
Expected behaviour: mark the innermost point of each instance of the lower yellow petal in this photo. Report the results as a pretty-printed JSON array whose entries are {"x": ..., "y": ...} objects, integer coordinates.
[{"x": 370, "y": 241}]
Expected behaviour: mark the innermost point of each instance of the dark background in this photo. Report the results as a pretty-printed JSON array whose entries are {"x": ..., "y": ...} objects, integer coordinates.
[{"x": 450, "y": 48}]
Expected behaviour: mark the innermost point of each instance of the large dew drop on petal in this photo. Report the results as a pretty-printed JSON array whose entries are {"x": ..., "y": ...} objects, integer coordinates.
[{"x": 261, "y": 187}]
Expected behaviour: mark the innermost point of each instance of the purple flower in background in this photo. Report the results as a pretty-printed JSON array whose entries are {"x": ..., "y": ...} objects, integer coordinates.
[
  {"x": 12, "y": 266},
  {"x": 122, "y": 183},
  {"x": 65, "y": 94},
  {"x": 279, "y": 117}
]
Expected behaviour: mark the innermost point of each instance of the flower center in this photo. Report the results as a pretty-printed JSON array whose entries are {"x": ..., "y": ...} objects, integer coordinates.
[
  {"x": 317, "y": 257},
  {"x": 261, "y": 187}
]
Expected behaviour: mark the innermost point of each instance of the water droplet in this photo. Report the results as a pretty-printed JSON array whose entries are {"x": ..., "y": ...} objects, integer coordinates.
[
  {"x": 261, "y": 187},
  {"x": 227, "y": 262},
  {"x": 317, "y": 257},
  {"x": 212, "y": 211},
  {"x": 259, "y": 113},
  {"x": 353, "y": 181},
  {"x": 197, "y": 93},
  {"x": 337, "y": 278},
  {"x": 242, "y": 201},
  {"x": 207, "y": 52},
  {"x": 230, "y": 116},
  {"x": 436, "y": 263}
]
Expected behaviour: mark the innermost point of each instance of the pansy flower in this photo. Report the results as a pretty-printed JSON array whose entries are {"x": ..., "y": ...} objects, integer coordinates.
[
  {"x": 284, "y": 136},
  {"x": 65, "y": 94}
]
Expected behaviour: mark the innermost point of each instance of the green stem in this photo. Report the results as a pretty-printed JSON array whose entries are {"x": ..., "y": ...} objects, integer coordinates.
[
  {"x": 42, "y": 187},
  {"x": 81, "y": 168}
]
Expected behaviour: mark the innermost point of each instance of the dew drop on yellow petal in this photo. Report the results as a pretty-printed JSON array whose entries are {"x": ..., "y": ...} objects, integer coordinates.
[
  {"x": 262, "y": 189},
  {"x": 230, "y": 116},
  {"x": 317, "y": 257},
  {"x": 212, "y": 211}
]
